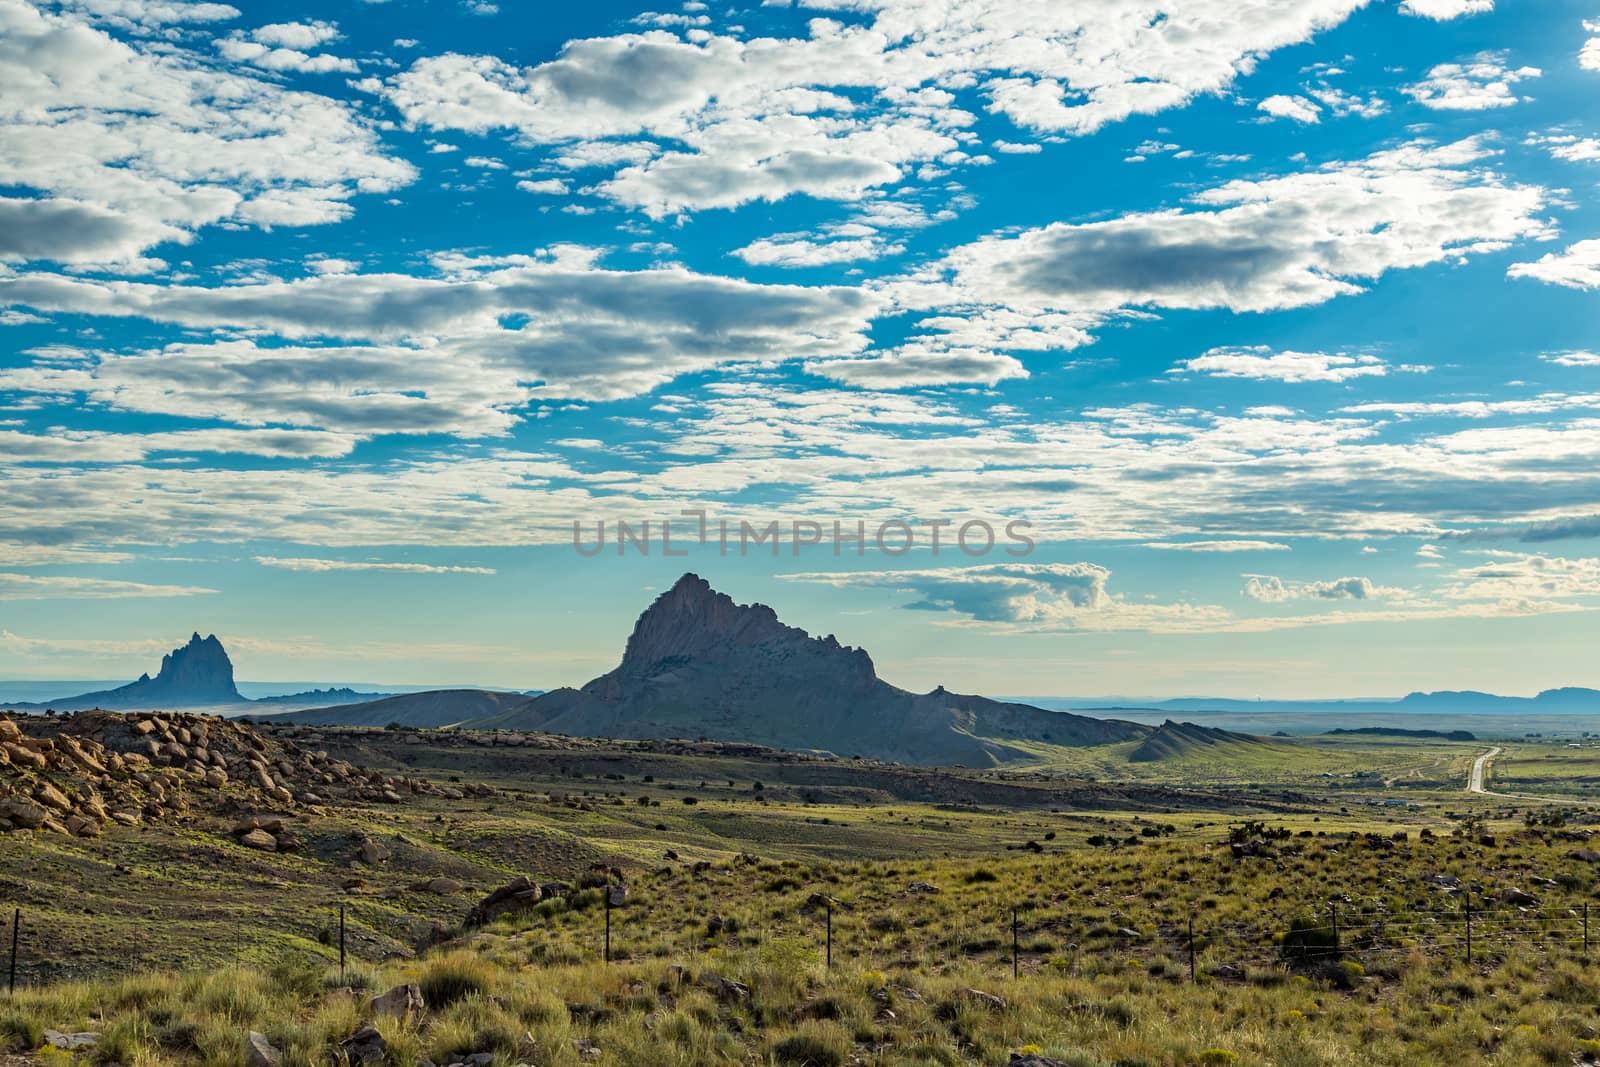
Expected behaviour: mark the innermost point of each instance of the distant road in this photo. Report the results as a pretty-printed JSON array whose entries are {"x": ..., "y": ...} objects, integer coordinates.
[{"x": 1479, "y": 765}]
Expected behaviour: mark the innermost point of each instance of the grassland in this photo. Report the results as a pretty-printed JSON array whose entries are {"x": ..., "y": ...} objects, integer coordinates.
[{"x": 737, "y": 863}]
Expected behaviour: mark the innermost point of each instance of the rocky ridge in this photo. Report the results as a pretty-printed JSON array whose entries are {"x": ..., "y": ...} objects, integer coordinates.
[{"x": 75, "y": 774}]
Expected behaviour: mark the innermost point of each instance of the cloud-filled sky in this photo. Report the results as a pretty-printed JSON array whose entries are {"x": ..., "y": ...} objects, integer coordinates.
[{"x": 1276, "y": 322}]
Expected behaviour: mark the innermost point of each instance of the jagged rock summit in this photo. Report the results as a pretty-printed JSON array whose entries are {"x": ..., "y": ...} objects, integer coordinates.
[
  {"x": 698, "y": 665},
  {"x": 198, "y": 674}
]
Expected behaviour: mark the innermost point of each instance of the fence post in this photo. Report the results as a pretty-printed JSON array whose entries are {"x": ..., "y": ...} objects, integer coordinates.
[
  {"x": 341, "y": 943},
  {"x": 1015, "y": 966},
  {"x": 608, "y": 924},
  {"x": 1191, "y": 950},
  {"x": 16, "y": 926},
  {"x": 1586, "y": 928},
  {"x": 828, "y": 909},
  {"x": 1468, "y": 904},
  {"x": 1335, "y": 908}
]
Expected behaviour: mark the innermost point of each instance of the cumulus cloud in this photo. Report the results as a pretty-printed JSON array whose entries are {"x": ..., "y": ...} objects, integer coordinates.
[
  {"x": 319, "y": 566},
  {"x": 1291, "y": 107},
  {"x": 1444, "y": 10},
  {"x": 1482, "y": 83},
  {"x": 1263, "y": 364},
  {"x": 69, "y": 231},
  {"x": 164, "y": 141},
  {"x": 1525, "y": 576},
  {"x": 1589, "y": 56},
  {"x": 1252, "y": 245},
  {"x": 445, "y": 359},
  {"x": 799, "y": 251},
  {"x": 1271, "y": 589},
  {"x": 1578, "y": 267},
  {"x": 767, "y": 118},
  {"x": 916, "y": 365}
]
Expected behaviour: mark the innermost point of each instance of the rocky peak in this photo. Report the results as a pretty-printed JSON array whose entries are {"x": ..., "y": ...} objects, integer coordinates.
[
  {"x": 693, "y": 621},
  {"x": 200, "y": 670}
]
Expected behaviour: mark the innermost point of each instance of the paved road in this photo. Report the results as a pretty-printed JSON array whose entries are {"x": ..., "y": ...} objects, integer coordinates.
[{"x": 1479, "y": 766}]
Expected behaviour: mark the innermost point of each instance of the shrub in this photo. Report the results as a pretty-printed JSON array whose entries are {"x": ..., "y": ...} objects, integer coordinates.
[
  {"x": 815, "y": 1044},
  {"x": 20, "y": 1031},
  {"x": 452, "y": 978},
  {"x": 1309, "y": 941}
]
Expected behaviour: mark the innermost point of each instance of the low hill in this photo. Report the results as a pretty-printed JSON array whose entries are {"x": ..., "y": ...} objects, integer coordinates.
[
  {"x": 699, "y": 665},
  {"x": 1180, "y": 740},
  {"x": 441, "y": 707}
]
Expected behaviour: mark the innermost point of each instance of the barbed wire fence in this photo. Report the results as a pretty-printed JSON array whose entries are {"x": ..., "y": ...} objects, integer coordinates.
[{"x": 1027, "y": 937}]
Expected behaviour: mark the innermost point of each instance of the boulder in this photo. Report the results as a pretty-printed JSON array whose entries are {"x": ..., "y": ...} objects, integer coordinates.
[
  {"x": 10, "y": 731},
  {"x": 372, "y": 852},
  {"x": 402, "y": 1002},
  {"x": 82, "y": 826},
  {"x": 23, "y": 813},
  {"x": 24, "y": 757},
  {"x": 1519, "y": 897},
  {"x": 1033, "y": 1059},
  {"x": 444, "y": 887},
  {"x": 287, "y": 842},
  {"x": 259, "y": 839},
  {"x": 258, "y": 1051},
  {"x": 84, "y": 1039},
  {"x": 366, "y": 1045},
  {"x": 519, "y": 894}
]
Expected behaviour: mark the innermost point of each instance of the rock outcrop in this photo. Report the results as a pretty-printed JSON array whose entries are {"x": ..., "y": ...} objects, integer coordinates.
[
  {"x": 699, "y": 665},
  {"x": 199, "y": 674}
]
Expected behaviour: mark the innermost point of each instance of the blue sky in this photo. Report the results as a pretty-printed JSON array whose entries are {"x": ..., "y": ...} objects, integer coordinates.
[{"x": 1275, "y": 320}]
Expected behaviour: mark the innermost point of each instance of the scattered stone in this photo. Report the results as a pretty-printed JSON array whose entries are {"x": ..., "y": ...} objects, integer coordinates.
[
  {"x": 444, "y": 887},
  {"x": 726, "y": 989},
  {"x": 259, "y": 839},
  {"x": 1587, "y": 855},
  {"x": 989, "y": 1001},
  {"x": 922, "y": 887},
  {"x": 1519, "y": 897},
  {"x": 258, "y": 1051},
  {"x": 1033, "y": 1059},
  {"x": 587, "y": 1049}
]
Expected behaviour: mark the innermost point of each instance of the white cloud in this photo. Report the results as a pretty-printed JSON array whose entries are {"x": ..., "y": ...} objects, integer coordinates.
[
  {"x": 440, "y": 359},
  {"x": 544, "y": 187},
  {"x": 1589, "y": 57},
  {"x": 763, "y": 119},
  {"x": 1573, "y": 359},
  {"x": 1263, "y": 364},
  {"x": 1523, "y": 576},
  {"x": 1271, "y": 589},
  {"x": 1576, "y": 268},
  {"x": 166, "y": 143},
  {"x": 60, "y": 587},
  {"x": 1291, "y": 107},
  {"x": 917, "y": 364},
  {"x": 319, "y": 566},
  {"x": 1219, "y": 546},
  {"x": 1250, "y": 245},
  {"x": 1444, "y": 10},
  {"x": 256, "y": 54},
  {"x": 1483, "y": 83},
  {"x": 301, "y": 35},
  {"x": 804, "y": 252}
]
